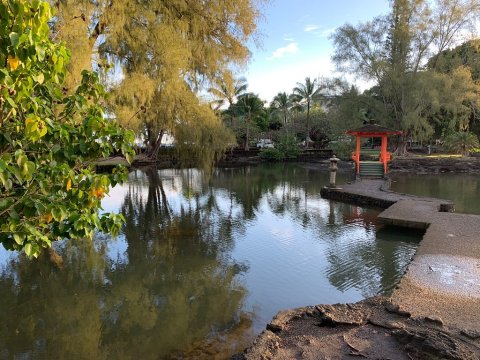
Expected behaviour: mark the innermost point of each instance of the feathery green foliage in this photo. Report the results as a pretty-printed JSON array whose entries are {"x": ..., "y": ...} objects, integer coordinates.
[
  {"x": 393, "y": 51},
  {"x": 168, "y": 52}
]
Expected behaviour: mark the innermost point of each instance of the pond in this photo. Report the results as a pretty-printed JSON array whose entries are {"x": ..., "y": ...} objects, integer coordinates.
[
  {"x": 462, "y": 189},
  {"x": 200, "y": 268}
]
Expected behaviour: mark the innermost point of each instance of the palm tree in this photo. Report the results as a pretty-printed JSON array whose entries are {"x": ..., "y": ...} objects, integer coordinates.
[
  {"x": 282, "y": 103},
  {"x": 227, "y": 91},
  {"x": 305, "y": 94},
  {"x": 462, "y": 142},
  {"x": 248, "y": 106}
]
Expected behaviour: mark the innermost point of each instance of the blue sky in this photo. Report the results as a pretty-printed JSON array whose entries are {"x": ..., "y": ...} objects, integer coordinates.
[{"x": 295, "y": 41}]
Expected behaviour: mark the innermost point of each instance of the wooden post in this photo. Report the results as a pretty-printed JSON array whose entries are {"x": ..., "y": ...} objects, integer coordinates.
[
  {"x": 358, "y": 154},
  {"x": 383, "y": 154}
]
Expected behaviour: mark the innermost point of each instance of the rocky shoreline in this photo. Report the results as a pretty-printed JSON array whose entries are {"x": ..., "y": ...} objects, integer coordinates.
[
  {"x": 429, "y": 165},
  {"x": 374, "y": 328}
]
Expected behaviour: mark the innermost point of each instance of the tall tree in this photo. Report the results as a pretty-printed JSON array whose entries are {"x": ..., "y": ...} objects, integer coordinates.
[
  {"x": 166, "y": 53},
  {"x": 304, "y": 94},
  {"x": 467, "y": 54},
  {"x": 393, "y": 51},
  {"x": 249, "y": 107},
  {"x": 228, "y": 90},
  {"x": 463, "y": 63},
  {"x": 72, "y": 24},
  {"x": 283, "y": 103}
]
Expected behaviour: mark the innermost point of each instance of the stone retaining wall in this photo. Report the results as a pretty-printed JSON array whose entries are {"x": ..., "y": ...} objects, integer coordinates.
[
  {"x": 436, "y": 165},
  {"x": 355, "y": 199}
]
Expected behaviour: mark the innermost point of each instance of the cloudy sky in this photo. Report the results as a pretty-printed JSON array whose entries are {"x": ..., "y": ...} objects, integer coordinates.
[{"x": 295, "y": 41}]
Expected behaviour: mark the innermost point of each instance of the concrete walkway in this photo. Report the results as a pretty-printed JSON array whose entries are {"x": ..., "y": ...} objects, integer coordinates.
[
  {"x": 376, "y": 193},
  {"x": 442, "y": 282}
]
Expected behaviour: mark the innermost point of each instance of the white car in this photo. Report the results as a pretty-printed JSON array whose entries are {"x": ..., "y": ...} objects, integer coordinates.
[{"x": 265, "y": 143}]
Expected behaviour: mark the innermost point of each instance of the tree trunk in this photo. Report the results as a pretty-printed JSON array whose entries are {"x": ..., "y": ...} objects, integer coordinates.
[
  {"x": 402, "y": 146},
  {"x": 155, "y": 146},
  {"x": 307, "y": 133},
  {"x": 247, "y": 136}
]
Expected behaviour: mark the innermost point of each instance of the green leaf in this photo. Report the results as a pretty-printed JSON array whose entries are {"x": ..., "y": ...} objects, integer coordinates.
[
  {"x": 3, "y": 178},
  {"x": 18, "y": 175},
  {"x": 129, "y": 156},
  {"x": 8, "y": 185},
  {"x": 3, "y": 204},
  {"x": 14, "y": 37},
  {"x": 23, "y": 38},
  {"x": 21, "y": 160},
  {"x": 57, "y": 214},
  {"x": 11, "y": 102},
  {"x": 43, "y": 131},
  {"x": 28, "y": 249},
  {"x": 40, "y": 78},
  {"x": 40, "y": 53},
  {"x": 28, "y": 169},
  {"x": 19, "y": 238}
]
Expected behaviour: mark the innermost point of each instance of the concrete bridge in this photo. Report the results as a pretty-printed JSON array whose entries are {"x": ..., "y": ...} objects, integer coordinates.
[{"x": 443, "y": 280}]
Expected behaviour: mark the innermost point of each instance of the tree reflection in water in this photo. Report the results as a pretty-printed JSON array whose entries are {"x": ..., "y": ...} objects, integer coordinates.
[
  {"x": 174, "y": 286},
  {"x": 176, "y": 282},
  {"x": 372, "y": 258}
]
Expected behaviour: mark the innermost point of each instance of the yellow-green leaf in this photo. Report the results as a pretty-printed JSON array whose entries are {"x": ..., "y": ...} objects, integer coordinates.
[
  {"x": 40, "y": 78},
  {"x": 18, "y": 238}
]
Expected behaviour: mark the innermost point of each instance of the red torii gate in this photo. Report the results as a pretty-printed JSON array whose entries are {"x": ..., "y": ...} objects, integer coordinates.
[{"x": 372, "y": 130}]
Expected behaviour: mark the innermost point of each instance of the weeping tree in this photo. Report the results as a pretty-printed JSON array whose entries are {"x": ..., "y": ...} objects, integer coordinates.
[
  {"x": 463, "y": 59},
  {"x": 72, "y": 25},
  {"x": 160, "y": 55},
  {"x": 392, "y": 51}
]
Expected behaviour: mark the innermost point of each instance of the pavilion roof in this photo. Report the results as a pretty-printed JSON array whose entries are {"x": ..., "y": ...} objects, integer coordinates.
[{"x": 373, "y": 129}]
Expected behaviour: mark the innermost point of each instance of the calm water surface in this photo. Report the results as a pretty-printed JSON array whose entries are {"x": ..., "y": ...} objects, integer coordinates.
[
  {"x": 199, "y": 269},
  {"x": 462, "y": 189}
]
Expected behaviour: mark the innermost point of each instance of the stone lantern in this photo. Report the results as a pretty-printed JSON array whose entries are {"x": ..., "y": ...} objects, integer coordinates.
[{"x": 333, "y": 170}]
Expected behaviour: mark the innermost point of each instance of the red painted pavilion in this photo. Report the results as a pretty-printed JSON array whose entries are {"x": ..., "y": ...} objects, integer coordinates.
[{"x": 372, "y": 168}]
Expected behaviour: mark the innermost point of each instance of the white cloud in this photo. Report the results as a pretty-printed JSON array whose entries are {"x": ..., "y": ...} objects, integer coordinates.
[
  {"x": 309, "y": 28},
  {"x": 291, "y": 48},
  {"x": 325, "y": 33},
  {"x": 268, "y": 82}
]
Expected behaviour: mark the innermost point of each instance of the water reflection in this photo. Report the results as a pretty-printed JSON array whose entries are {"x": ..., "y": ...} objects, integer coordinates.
[
  {"x": 462, "y": 189},
  {"x": 201, "y": 266}
]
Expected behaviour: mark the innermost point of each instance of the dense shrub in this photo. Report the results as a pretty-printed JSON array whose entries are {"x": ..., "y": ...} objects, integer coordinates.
[
  {"x": 288, "y": 147},
  {"x": 271, "y": 154},
  {"x": 462, "y": 142},
  {"x": 342, "y": 149}
]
